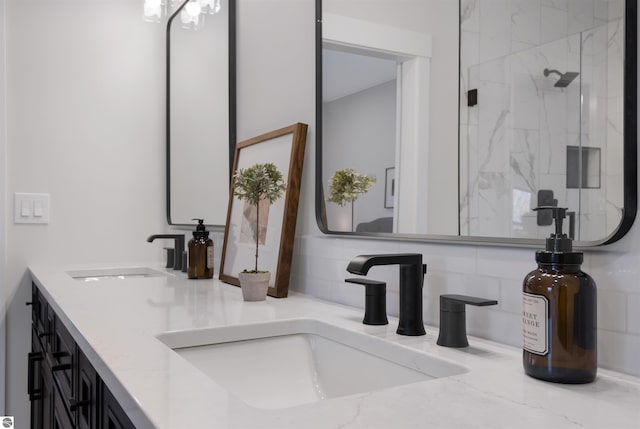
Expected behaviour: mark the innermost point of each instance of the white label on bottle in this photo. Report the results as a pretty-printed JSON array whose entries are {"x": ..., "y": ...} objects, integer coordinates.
[
  {"x": 210, "y": 257},
  {"x": 535, "y": 310}
]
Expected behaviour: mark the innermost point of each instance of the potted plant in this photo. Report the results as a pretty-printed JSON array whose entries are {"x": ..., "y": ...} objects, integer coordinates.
[
  {"x": 346, "y": 185},
  {"x": 256, "y": 184}
]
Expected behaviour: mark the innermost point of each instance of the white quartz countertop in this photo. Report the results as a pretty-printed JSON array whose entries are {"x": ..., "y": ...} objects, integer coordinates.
[{"x": 116, "y": 322}]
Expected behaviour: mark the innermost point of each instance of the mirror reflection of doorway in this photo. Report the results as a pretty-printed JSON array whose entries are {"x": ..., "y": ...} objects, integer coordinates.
[
  {"x": 359, "y": 105},
  {"x": 392, "y": 65}
]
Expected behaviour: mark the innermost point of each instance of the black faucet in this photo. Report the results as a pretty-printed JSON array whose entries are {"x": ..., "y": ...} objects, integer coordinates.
[
  {"x": 453, "y": 328},
  {"x": 178, "y": 247},
  {"x": 411, "y": 279}
]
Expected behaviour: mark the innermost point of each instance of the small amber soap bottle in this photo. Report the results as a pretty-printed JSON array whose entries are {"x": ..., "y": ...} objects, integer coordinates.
[
  {"x": 200, "y": 253},
  {"x": 559, "y": 313}
]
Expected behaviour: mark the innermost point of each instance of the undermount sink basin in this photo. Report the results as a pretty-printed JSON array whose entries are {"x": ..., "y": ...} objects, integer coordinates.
[
  {"x": 120, "y": 273},
  {"x": 293, "y": 362}
]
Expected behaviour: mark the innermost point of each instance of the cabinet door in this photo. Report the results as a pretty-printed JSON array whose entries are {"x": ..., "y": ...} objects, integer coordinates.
[
  {"x": 85, "y": 402},
  {"x": 63, "y": 362},
  {"x": 111, "y": 415},
  {"x": 35, "y": 386},
  {"x": 39, "y": 309},
  {"x": 46, "y": 401},
  {"x": 61, "y": 418}
]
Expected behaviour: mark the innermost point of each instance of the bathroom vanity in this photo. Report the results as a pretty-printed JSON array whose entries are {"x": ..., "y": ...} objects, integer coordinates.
[{"x": 151, "y": 349}]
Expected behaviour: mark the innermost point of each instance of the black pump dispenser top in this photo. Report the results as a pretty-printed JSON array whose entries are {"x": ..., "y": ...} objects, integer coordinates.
[
  {"x": 201, "y": 231},
  {"x": 558, "y": 247}
]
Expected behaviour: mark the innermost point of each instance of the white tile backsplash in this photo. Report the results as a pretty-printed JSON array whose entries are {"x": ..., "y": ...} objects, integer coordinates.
[
  {"x": 510, "y": 299},
  {"x": 633, "y": 314},
  {"x": 612, "y": 310},
  {"x": 504, "y": 262},
  {"x": 485, "y": 271},
  {"x": 619, "y": 351}
]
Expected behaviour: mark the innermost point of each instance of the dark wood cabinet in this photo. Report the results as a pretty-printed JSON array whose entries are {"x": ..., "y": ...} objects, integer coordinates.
[
  {"x": 85, "y": 404},
  {"x": 112, "y": 416},
  {"x": 64, "y": 388}
]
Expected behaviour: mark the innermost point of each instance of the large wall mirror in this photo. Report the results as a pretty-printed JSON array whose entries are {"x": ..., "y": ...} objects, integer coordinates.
[
  {"x": 200, "y": 114},
  {"x": 468, "y": 114}
]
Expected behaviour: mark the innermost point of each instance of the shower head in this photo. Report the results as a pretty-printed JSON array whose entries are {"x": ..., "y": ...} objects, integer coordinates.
[{"x": 565, "y": 78}]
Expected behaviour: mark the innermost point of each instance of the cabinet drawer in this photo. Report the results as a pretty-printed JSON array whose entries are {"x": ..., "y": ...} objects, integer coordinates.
[
  {"x": 63, "y": 362},
  {"x": 87, "y": 394},
  {"x": 40, "y": 317},
  {"x": 111, "y": 414},
  {"x": 61, "y": 418}
]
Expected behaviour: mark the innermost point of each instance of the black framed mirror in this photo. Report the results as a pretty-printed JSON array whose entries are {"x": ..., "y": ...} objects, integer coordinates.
[
  {"x": 483, "y": 110},
  {"x": 200, "y": 114}
]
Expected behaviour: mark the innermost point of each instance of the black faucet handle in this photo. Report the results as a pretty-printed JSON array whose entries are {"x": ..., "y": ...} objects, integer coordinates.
[
  {"x": 375, "y": 303},
  {"x": 170, "y": 257},
  {"x": 453, "y": 329},
  {"x": 457, "y": 302}
]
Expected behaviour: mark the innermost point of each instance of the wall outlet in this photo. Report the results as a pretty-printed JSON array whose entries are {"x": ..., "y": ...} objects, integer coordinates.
[{"x": 30, "y": 208}]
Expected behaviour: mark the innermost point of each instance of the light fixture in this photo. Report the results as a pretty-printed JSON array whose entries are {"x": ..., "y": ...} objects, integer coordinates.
[
  {"x": 192, "y": 12},
  {"x": 154, "y": 10},
  {"x": 210, "y": 7}
]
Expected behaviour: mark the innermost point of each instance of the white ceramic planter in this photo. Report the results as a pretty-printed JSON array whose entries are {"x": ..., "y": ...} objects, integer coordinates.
[{"x": 254, "y": 285}]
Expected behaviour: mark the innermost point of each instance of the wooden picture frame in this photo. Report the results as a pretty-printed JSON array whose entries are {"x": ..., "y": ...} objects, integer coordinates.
[{"x": 284, "y": 148}]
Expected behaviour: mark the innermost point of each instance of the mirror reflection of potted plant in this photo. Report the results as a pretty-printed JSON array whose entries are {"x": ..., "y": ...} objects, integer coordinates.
[
  {"x": 258, "y": 185},
  {"x": 346, "y": 185}
]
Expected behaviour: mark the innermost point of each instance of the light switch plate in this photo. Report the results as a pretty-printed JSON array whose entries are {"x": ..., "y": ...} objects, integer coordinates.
[{"x": 30, "y": 208}]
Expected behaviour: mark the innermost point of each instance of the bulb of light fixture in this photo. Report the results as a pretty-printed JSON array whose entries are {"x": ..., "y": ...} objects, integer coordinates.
[
  {"x": 190, "y": 15},
  {"x": 206, "y": 4},
  {"x": 153, "y": 10},
  {"x": 193, "y": 9},
  {"x": 210, "y": 7}
]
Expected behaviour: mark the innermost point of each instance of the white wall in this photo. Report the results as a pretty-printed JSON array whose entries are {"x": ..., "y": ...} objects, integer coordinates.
[
  {"x": 84, "y": 99},
  {"x": 3, "y": 241}
]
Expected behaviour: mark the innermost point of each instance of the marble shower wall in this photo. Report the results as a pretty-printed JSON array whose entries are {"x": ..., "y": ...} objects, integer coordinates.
[{"x": 514, "y": 141}]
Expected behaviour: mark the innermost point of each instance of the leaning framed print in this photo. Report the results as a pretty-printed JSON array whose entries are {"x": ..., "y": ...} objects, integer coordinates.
[{"x": 276, "y": 230}]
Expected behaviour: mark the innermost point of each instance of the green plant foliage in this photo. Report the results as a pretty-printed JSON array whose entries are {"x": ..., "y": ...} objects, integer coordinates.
[
  {"x": 254, "y": 184},
  {"x": 346, "y": 185},
  {"x": 261, "y": 181}
]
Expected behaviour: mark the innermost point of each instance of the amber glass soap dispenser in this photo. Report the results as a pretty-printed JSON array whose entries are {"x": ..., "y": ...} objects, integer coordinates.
[
  {"x": 200, "y": 253},
  {"x": 559, "y": 313}
]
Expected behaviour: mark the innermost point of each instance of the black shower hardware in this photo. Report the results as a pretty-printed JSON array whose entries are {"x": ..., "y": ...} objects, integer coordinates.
[
  {"x": 545, "y": 198},
  {"x": 565, "y": 78}
]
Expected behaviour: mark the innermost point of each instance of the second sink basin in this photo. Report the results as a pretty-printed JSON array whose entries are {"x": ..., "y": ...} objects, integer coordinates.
[
  {"x": 119, "y": 273},
  {"x": 293, "y": 362}
]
